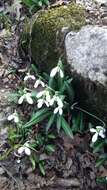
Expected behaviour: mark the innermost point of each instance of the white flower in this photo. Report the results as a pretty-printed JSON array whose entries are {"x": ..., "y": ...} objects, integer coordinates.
[
  {"x": 28, "y": 76},
  {"x": 24, "y": 149},
  {"x": 39, "y": 82},
  {"x": 99, "y": 131},
  {"x": 58, "y": 109},
  {"x": 57, "y": 99},
  {"x": 40, "y": 94},
  {"x": 14, "y": 117},
  {"x": 56, "y": 70},
  {"x": 40, "y": 103},
  {"x": 27, "y": 97},
  {"x": 59, "y": 102},
  {"x": 47, "y": 95},
  {"x": 44, "y": 98}
]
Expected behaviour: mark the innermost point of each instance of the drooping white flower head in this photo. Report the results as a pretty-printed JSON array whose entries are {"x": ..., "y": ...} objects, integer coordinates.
[
  {"x": 56, "y": 70},
  {"x": 43, "y": 98},
  {"x": 41, "y": 101},
  {"x": 58, "y": 110},
  {"x": 13, "y": 117},
  {"x": 40, "y": 94},
  {"x": 24, "y": 149},
  {"x": 57, "y": 99},
  {"x": 59, "y": 102},
  {"x": 26, "y": 96},
  {"x": 39, "y": 82},
  {"x": 29, "y": 76},
  {"x": 99, "y": 131}
]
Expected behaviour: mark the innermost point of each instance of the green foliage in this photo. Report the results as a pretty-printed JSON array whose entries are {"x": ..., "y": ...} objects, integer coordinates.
[
  {"x": 32, "y": 4},
  {"x": 54, "y": 109}
]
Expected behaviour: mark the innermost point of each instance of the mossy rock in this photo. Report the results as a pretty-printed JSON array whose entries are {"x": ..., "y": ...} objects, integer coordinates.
[{"x": 47, "y": 38}]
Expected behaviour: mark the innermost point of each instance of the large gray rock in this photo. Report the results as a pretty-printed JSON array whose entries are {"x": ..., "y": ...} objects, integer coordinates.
[
  {"x": 87, "y": 56},
  {"x": 101, "y": 2}
]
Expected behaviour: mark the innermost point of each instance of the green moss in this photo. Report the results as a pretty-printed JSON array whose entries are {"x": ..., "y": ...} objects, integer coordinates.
[{"x": 46, "y": 43}]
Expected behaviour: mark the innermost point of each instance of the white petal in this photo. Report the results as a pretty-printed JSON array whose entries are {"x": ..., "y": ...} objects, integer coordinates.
[
  {"x": 94, "y": 138},
  {"x": 27, "y": 151},
  {"x": 32, "y": 77},
  {"x": 54, "y": 71},
  {"x": 52, "y": 101},
  {"x": 28, "y": 76},
  {"x": 102, "y": 133},
  {"x": 47, "y": 103},
  {"x": 60, "y": 111},
  {"x": 40, "y": 94},
  {"x": 61, "y": 73},
  {"x": 48, "y": 97},
  {"x": 40, "y": 103},
  {"x": 92, "y": 130},
  {"x": 21, "y": 99},
  {"x": 56, "y": 110},
  {"x": 20, "y": 150},
  {"x": 99, "y": 127},
  {"x": 16, "y": 119},
  {"x": 10, "y": 117},
  {"x": 59, "y": 102},
  {"x": 28, "y": 98},
  {"x": 42, "y": 84},
  {"x": 18, "y": 161},
  {"x": 36, "y": 84}
]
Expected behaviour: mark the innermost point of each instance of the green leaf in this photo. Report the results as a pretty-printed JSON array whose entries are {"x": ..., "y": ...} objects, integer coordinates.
[
  {"x": 66, "y": 128},
  {"x": 59, "y": 122},
  {"x": 70, "y": 92},
  {"x": 51, "y": 136},
  {"x": 81, "y": 123},
  {"x": 98, "y": 147},
  {"x": 50, "y": 148},
  {"x": 50, "y": 122},
  {"x": 38, "y": 117},
  {"x": 101, "y": 180},
  {"x": 76, "y": 123},
  {"x": 32, "y": 159},
  {"x": 41, "y": 167},
  {"x": 28, "y": 3},
  {"x": 100, "y": 162}
]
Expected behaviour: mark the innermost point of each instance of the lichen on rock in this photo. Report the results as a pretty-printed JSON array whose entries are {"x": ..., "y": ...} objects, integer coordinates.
[{"x": 46, "y": 36}]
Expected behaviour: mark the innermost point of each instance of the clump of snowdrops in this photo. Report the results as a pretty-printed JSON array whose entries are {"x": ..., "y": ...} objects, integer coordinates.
[{"x": 52, "y": 98}]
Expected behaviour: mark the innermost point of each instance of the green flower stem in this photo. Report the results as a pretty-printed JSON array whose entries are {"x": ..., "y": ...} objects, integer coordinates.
[{"x": 97, "y": 118}]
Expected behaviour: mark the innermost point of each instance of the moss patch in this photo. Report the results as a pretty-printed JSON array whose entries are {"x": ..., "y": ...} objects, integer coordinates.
[{"x": 46, "y": 36}]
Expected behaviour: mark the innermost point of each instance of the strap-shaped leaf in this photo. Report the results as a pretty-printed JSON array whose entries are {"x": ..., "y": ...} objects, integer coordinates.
[
  {"x": 98, "y": 147},
  {"x": 59, "y": 122},
  {"x": 66, "y": 128},
  {"x": 38, "y": 117},
  {"x": 50, "y": 122}
]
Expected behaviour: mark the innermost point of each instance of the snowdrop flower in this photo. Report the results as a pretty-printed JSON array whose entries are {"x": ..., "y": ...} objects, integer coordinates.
[
  {"x": 14, "y": 117},
  {"x": 28, "y": 76},
  {"x": 39, "y": 82},
  {"x": 60, "y": 105},
  {"x": 40, "y": 103},
  {"x": 40, "y": 94},
  {"x": 44, "y": 98},
  {"x": 27, "y": 97},
  {"x": 57, "y": 99},
  {"x": 99, "y": 131},
  {"x": 24, "y": 149},
  {"x": 58, "y": 109},
  {"x": 56, "y": 70}
]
